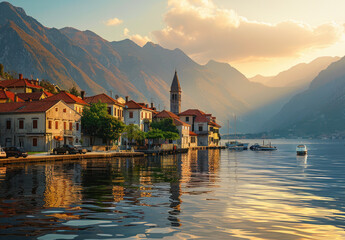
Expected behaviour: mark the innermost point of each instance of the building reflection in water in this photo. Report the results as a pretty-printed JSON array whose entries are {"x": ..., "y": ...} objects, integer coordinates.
[{"x": 154, "y": 184}]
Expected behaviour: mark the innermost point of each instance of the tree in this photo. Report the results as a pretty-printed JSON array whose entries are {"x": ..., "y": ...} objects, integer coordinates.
[
  {"x": 48, "y": 86},
  {"x": 155, "y": 134},
  {"x": 171, "y": 135},
  {"x": 166, "y": 125},
  {"x": 132, "y": 132},
  {"x": 73, "y": 90},
  {"x": 96, "y": 122}
]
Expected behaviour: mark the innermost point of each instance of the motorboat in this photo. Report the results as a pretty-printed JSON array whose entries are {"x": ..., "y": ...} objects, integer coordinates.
[
  {"x": 258, "y": 147},
  {"x": 236, "y": 145},
  {"x": 301, "y": 149}
]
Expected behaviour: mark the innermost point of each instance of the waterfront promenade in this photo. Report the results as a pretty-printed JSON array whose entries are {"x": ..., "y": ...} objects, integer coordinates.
[{"x": 47, "y": 157}]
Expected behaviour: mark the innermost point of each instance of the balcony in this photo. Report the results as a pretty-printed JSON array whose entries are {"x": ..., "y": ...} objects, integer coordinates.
[{"x": 68, "y": 132}]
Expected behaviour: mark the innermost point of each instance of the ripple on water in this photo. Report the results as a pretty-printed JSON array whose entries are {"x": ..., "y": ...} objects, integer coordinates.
[
  {"x": 80, "y": 223},
  {"x": 56, "y": 236}
]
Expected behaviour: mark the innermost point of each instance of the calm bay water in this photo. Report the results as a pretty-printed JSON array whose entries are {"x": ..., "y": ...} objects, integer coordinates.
[{"x": 203, "y": 194}]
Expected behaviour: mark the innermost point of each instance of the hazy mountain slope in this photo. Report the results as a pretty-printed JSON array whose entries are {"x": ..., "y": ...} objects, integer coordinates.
[
  {"x": 318, "y": 110},
  {"x": 299, "y": 76},
  {"x": 69, "y": 56}
]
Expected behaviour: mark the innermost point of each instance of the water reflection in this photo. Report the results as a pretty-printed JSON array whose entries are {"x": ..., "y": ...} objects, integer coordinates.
[{"x": 201, "y": 194}]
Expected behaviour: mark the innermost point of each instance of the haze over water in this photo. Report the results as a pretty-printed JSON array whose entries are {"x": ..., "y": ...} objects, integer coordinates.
[{"x": 203, "y": 194}]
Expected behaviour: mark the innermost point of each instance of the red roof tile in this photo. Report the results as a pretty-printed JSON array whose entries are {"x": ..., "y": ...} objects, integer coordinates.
[
  {"x": 134, "y": 105},
  {"x": 192, "y": 133},
  {"x": 15, "y": 83},
  {"x": 200, "y": 116},
  {"x": 9, "y": 95},
  {"x": 26, "y": 107},
  {"x": 103, "y": 98},
  {"x": 166, "y": 114},
  {"x": 67, "y": 98},
  {"x": 178, "y": 122},
  {"x": 190, "y": 112},
  {"x": 33, "y": 96}
]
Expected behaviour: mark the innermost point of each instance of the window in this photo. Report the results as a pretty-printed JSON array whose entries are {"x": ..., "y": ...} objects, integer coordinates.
[
  {"x": 192, "y": 139},
  {"x": 64, "y": 110},
  {"x": 70, "y": 126},
  {"x": 56, "y": 125},
  {"x": 34, "y": 142},
  {"x": 130, "y": 114},
  {"x": 34, "y": 124},
  {"x": 200, "y": 128},
  {"x": 77, "y": 126},
  {"x": 109, "y": 110},
  {"x": 64, "y": 125},
  {"x": 187, "y": 119},
  {"x": 76, "y": 140},
  {"x": 118, "y": 113},
  {"x": 56, "y": 109},
  {"x": 8, "y": 124},
  {"x": 49, "y": 124},
  {"x": 21, "y": 124},
  {"x": 142, "y": 115}
]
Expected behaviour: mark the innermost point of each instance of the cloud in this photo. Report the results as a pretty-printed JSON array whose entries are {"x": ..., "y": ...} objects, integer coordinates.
[
  {"x": 138, "y": 39},
  {"x": 205, "y": 31},
  {"x": 113, "y": 22}
]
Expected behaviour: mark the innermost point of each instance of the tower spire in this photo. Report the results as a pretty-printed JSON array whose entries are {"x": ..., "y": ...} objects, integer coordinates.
[{"x": 175, "y": 95}]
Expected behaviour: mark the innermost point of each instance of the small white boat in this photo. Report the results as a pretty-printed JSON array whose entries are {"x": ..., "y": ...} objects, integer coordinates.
[
  {"x": 2, "y": 153},
  {"x": 301, "y": 149},
  {"x": 235, "y": 145}
]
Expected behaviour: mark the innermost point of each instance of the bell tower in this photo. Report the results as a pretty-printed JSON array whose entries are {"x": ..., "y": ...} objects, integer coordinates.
[{"x": 175, "y": 95}]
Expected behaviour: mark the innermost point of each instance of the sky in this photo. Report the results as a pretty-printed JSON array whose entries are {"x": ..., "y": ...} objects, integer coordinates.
[{"x": 255, "y": 36}]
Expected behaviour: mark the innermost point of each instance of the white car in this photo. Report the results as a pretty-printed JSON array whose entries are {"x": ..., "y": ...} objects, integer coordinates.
[{"x": 2, "y": 153}]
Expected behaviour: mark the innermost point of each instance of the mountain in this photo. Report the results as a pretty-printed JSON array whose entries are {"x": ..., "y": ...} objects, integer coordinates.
[
  {"x": 318, "y": 110},
  {"x": 70, "y": 57},
  {"x": 298, "y": 76}
]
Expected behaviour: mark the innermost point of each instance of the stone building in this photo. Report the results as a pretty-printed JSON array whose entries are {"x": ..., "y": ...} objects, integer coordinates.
[{"x": 39, "y": 125}]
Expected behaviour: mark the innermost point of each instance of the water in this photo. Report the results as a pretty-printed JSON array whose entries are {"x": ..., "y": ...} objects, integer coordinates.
[{"x": 215, "y": 194}]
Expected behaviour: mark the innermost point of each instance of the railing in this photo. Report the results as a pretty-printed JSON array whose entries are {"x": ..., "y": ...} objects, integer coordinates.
[{"x": 68, "y": 132}]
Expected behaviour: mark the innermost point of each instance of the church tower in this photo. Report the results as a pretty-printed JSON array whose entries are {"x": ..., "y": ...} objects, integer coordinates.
[{"x": 175, "y": 95}]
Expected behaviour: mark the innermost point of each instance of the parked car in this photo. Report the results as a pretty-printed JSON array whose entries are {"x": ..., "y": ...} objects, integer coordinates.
[
  {"x": 15, "y": 152},
  {"x": 81, "y": 150},
  {"x": 2, "y": 153},
  {"x": 66, "y": 149}
]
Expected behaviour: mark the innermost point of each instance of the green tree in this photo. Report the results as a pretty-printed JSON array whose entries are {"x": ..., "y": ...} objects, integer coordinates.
[
  {"x": 166, "y": 125},
  {"x": 133, "y": 132},
  {"x": 171, "y": 135},
  {"x": 155, "y": 134},
  {"x": 48, "y": 86},
  {"x": 96, "y": 122},
  {"x": 73, "y": 90}
]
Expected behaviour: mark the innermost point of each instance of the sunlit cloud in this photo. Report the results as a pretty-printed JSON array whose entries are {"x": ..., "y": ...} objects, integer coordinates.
[
  {"x": 113, "y": 22},
  {"x": 205, "y": 31},
  {"x": 138, "y": 39}
]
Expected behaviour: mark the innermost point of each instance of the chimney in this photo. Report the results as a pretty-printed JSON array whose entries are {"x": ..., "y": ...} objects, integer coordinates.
[
  {"x": 152, "y": 105},
  {"x": 20, "y": 76},
  {"x": 147, "y": 106},
  {"x": 127, "y": 98},
  {"x": 82, "y": 93}
]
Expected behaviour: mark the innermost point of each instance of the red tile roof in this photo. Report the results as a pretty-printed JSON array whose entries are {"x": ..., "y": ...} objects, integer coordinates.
[
  {"x": 192, "y": 133},
  {"x": 67, "y": 98},
  {"x": 166, "y": 114},
  {"x": 16, "y": 83},
  {"x": 134, "y": 105},
  {"x": 190, "y": 112},
  {"x": 200, "y": 116},
  {"x": 103, "y": 98},
  {"x": 8, "y": 95},
  {"x": 178, "y": 122},
  {"x": 33, "y": 96},
  {"x": 26, "y": 107}
]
